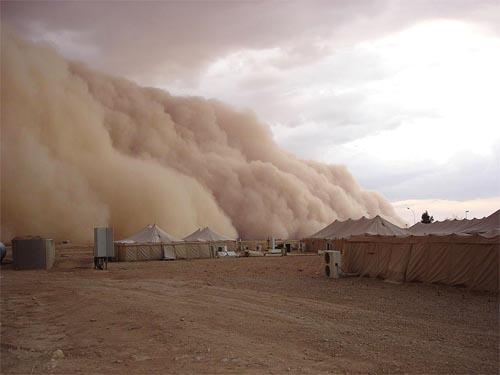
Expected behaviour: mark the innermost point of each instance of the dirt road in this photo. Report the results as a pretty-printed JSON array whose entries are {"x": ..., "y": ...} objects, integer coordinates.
[{"x": 251, "y": 315}]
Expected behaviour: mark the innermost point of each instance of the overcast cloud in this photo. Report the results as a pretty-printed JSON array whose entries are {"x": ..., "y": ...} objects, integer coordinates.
[{"x": 403, "y": 93}]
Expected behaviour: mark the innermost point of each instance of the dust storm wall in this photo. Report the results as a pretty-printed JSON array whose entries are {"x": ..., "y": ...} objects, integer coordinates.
[{"x": 80, "y": 148}]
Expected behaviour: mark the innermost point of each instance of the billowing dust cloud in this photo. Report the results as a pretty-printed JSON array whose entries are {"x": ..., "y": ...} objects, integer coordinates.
[{"x": 80, "y": 149}]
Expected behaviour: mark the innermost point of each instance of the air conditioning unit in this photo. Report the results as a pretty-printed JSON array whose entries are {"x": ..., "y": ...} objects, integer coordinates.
[{"x": 333, "y": 266}]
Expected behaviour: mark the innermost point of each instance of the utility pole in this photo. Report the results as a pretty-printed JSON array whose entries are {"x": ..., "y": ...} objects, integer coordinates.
[{"x": 413, "y": 212}]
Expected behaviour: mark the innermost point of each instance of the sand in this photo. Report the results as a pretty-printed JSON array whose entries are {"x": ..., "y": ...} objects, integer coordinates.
[{"x": 249, "y": 315}]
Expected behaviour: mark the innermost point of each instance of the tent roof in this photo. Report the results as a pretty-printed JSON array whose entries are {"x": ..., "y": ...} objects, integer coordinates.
[
  {"x": 441, "y": 227},
  {"x": 151, "y": 233},
  {"x": 484, "y": 225},
  {"x": 206, "y": 234},
  {"x": 491, "y": 233},
  {"x": 488, "y": 224},
  {"x": 374, "y": 226}
]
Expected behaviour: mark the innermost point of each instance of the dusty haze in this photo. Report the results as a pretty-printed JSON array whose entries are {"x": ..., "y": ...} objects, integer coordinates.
[{"x": 80, "y": 148}]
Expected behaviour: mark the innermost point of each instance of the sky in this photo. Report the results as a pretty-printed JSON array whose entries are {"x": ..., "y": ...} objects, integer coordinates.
[{"x": 402, "y": 93}]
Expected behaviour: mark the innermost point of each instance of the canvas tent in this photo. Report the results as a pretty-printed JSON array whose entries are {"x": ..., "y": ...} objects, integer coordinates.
[
  {"x": 147, "y": 244},
  {"x": 467, "y": 260},
  {"x": 441, "y": 227},
  {"x": 153, "y": 243},
  {"x": 485, "y": 225},
  {"x": 207, "y": 241},
  {"x": 332, "y": 236},
  {"x": 488, "y": 224},
  {"x": 452, "y": 252},
  {"x": 151, "y": 233},
  {"x": 206, "y": 234},
  {"x": 188, "y": 250},
  {"x": 491, "y": 233},
  {"x": 374, "y": 226}
]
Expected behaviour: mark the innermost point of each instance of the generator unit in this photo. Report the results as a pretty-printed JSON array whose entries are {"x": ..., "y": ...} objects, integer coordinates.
[
  {"x": 333, "y": 266},
  {"x": 103, "y": 246},
  {"x": 33, "y": 252}
]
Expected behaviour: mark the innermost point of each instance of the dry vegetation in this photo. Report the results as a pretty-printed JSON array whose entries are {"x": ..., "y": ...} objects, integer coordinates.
[{"x": 251, "y": 315}]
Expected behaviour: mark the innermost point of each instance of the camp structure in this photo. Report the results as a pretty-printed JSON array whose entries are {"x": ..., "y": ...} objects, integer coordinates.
[
  {"x": 153, "y": 243},
  {"x": 194, "y": 250},
  {"x": 33, "y": 252},
  {"x": 206, "y": 234},
  {"x": 442, "y": 228},
  {"x": 374, "y": 226},
  {"x": 147, "y": 244},
  {"x": 331, "y": 236},
  {"x": 290, "y": 245},
  {"x": 471, "y": 261},
  {"x": 253, "y": 245},
  {"x": 151, "y": 233},
  {"x": 486, "y": 226},
  {"x": 451, "y": 252},
  {"x": 209, "y": 240}
]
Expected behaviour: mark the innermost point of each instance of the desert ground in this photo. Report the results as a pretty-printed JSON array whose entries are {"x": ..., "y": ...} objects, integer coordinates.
[{"x": 270, "y": 315}]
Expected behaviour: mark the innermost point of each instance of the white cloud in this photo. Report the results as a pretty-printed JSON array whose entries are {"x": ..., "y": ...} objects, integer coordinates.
[
  {"x": 75, "y": 45},
  {"x": 401, "y": 111}
]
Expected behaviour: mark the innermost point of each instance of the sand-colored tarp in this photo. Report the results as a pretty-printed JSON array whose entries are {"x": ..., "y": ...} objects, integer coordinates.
[
  {"x": 319, "y": 244},
  {"x": 151, "y": 233},
  {"x": 206, "y": 234},
  {"x": 374, "y": 226},
  {"x": 491, "y": 233},
  {"x": 485, "y": 226},
  {"x": 470, "y": 261},
  {"x": 442, "y": 228}
]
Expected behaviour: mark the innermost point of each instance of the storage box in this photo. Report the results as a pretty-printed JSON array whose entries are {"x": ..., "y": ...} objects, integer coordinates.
[{"x": 33, "y": 253}]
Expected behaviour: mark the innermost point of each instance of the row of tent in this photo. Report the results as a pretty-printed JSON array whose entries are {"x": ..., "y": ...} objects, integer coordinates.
[
  {"x": 152, "y": 233},
  {"x": 486, "y": 227},
  {"x": 470, "y": 261},
  {"x": 452, "y": 252},
  {"x": 153, "y": 243}
]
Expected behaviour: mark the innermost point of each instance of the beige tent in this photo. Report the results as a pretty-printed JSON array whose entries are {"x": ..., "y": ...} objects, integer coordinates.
[
  {"x": 468, "y": 260},
  {"x": 485, "y": 225},
  {"x": 147, "y": 244},
  {"x": 332, "y": 236},
  {"x": 206, "y": 234},
  {"x": 189, "y": 250},
  {"x": 153, "y": 243},
  {"x": 348, "y": 228},
  {"x": 210, "y": 241},
  {"x": 491, "y": 233},
  {"x": 151, "y": 233},
  {"x": 488, "y": 224},
  {"x": 441, "y": 228}
]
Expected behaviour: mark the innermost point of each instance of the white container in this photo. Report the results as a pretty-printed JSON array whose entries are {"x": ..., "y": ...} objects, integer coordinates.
[{"x": 103, "y": 243}]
